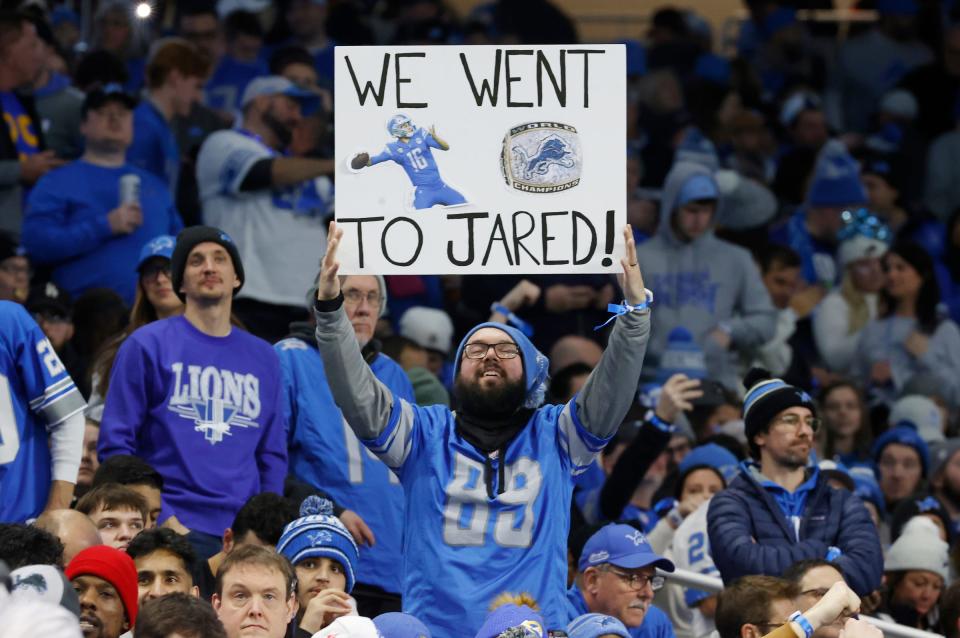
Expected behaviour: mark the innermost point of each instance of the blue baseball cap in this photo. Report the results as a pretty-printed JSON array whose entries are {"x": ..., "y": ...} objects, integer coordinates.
[
  {"x": 159, "y": 246},
  {"x": 698, "y": 186},
  {"x": 596, "y": 625},
  {"x": 623, "y": 546},
  {"x": 511, "y": 616},
  {"x": 279, "y": 85}
]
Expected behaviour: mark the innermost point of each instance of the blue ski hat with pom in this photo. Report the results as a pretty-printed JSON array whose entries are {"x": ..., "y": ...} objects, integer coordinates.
[
  {"x": 536, "y": 366},
  {"x": 318, "y": 533}
]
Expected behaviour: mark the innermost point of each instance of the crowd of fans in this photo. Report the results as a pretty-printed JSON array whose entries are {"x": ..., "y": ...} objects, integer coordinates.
[{"x": 166, "y": 191}]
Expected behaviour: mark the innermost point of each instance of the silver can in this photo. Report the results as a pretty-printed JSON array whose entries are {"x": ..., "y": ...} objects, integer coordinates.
[{"x": 130, "y": 189}]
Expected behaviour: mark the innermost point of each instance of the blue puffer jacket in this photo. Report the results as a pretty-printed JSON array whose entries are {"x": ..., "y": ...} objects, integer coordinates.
[{"x": 750, "y": 534}]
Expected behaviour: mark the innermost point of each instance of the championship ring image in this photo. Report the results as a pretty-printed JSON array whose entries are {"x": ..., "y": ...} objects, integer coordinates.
[{"x": 541, "y": 157}]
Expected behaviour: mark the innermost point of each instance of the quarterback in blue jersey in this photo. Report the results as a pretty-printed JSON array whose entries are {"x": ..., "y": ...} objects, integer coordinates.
[
  {"x": 487, "y": 488},
  {"x": 41, "y": 421},
  {"x": 412, "y": 152},
  {"x": 325, "y": 452}
]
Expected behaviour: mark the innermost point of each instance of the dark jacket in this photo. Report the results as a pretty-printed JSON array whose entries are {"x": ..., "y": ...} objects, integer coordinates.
[{"x": 749, "y": 533}]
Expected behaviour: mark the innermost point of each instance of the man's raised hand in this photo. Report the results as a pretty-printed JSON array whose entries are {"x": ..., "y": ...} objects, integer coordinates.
[
  {"x": 328, "y": 284},
  {"x": 676, "y": 396},
  {"x": 631, "y": 281}
]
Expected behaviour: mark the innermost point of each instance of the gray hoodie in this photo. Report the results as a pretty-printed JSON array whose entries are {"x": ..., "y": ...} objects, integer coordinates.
[{"x": 702, "y": 285}]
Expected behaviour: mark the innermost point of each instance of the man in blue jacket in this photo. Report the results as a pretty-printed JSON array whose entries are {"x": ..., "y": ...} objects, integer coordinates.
[
  {"x": 782, "y": 511},
  {"x": 326, "y": 453}
]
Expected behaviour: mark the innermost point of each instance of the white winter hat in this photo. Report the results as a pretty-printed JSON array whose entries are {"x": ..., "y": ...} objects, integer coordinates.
[
  {"x": 350, "y": 627},
  {"x": 919, "y": 548},
  {"x": 920, "y": 412},
  {"x": 860, "y": 247},
  {"x": 428, "y": 327}
]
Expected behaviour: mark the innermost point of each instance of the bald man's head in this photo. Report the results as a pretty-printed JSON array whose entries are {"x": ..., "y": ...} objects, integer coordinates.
[
  {"x": 573, "y": 349},
  {"x": 75, "y": 531}
]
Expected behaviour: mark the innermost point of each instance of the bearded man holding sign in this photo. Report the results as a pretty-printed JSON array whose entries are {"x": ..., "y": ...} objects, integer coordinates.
[{"x": 488, "y": 487}]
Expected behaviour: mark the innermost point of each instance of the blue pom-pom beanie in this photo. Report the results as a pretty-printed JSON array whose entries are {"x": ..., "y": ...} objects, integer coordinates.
[{"x": 318, "y": 533}]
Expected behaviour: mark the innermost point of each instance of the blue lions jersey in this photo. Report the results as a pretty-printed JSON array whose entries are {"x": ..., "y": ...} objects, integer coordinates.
[
  {"x": 462, "y": 547},
  {"x": 415, "y": 157},
  {"x": 326, "y": 453},
  {"x": 36, "y": 393}
]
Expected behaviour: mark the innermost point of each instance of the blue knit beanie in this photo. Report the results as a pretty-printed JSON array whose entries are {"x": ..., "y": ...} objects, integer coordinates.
[
  {"x": 320, "y": 534},
  {"x": 836, "y": 179},
  {"x": 904, "y": 434},
  {"x": 536, "y": 366},
  {"x": 713, "y": 456}
]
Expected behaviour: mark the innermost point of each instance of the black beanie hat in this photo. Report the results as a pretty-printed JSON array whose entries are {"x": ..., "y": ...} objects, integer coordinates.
[
  {"x": 187, "y": 240},
  {"x": 766, "y": 398}
]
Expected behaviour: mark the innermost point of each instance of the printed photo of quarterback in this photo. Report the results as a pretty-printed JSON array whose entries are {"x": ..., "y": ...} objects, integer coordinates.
[{"x": 412, "y": 151}]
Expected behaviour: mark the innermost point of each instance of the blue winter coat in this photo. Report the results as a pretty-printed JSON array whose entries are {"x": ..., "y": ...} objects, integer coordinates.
[{"x": 749, "y": 533}]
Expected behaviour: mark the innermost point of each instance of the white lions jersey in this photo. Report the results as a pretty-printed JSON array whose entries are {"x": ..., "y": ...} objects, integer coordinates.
[
  {"x": 281, "y": 233},
  {"x": 691, "y": 551}
]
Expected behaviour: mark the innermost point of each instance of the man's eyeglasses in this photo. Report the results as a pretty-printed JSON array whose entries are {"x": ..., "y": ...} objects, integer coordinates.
[
  {"x": 637, "y": 582},
  {"x": 794, "y": 421},
  {"x": 477, "y": 350},
  {"x": 354, "y": 297}
]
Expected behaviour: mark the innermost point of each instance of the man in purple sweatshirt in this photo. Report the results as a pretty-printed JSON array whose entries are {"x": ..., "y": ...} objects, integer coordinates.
[{"x": 199, "y": 399}]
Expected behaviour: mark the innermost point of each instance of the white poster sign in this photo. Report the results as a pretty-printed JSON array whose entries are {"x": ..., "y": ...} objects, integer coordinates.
[{"x": 481, "y": 159}]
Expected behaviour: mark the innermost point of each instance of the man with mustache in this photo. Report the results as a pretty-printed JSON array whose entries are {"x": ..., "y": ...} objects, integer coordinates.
[
  {"x": 617, "y": 576},
  {"x": 488, "y": 487},
  {"x": 274, "y": 206},
  {"x": 778, "y": 510},
  {"x": 105, "y": 580}
]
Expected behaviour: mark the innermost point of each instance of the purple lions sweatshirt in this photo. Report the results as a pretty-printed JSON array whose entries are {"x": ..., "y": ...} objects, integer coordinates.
[{"x": 205, "y": 412}]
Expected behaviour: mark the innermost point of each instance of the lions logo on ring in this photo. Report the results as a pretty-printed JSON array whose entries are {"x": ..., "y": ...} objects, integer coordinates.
[{"x": 541, "y": 157}]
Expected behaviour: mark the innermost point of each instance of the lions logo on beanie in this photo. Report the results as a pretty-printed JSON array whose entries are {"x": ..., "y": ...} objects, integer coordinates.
[
  {"x": 766, "y": 398},
  {"x": 318, "y": 533}
]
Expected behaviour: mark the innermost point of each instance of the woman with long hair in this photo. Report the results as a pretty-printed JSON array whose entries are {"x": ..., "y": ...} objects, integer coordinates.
[
  {"x": 155, "y": 299},
  {"x": 842, "y": 315},
  {"x": 915, "y": 573},
  {"x": 909, "y": 337},
  {"x": 845, "y": 435}
]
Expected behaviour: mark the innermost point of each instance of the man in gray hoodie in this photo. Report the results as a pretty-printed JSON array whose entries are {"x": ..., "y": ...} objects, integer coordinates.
[{"x": 707, "y": 285}]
